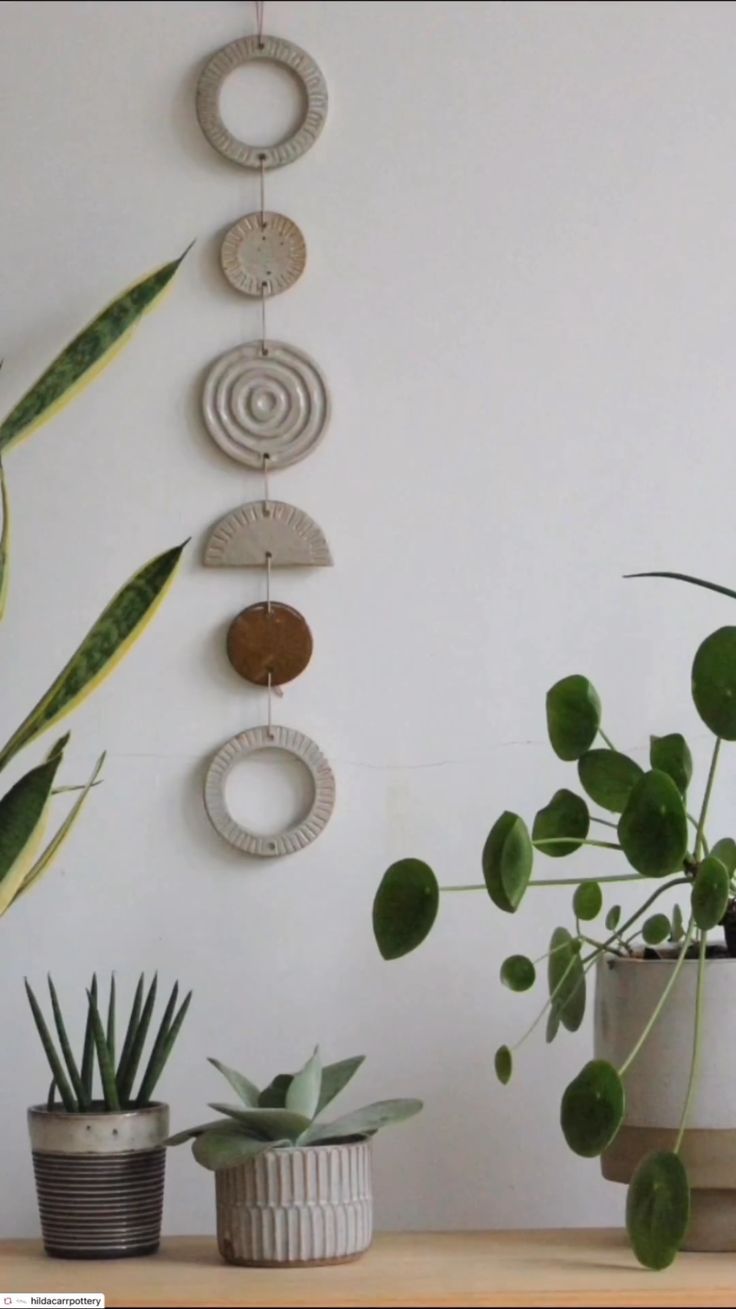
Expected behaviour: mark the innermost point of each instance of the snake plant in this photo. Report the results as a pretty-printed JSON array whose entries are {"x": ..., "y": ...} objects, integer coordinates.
[
  {"x": 286, "y": 1114},
  {"x": 74, "y": 1080},
  {"x": 647, "y": 821},
  {"x": 25, "y": 808}
]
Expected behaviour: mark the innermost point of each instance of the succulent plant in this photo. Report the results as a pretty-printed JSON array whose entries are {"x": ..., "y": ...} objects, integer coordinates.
[
  {"x": 75, "y": 1081},
  {"x": 285, "y": 1114}
]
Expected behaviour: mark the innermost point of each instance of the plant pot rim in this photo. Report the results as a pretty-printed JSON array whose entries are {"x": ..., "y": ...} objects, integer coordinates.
[
  {"x": 621, "y": 961},
  {"x": 66, "y": 1115},
  {"x": 298, "y": 1149}
]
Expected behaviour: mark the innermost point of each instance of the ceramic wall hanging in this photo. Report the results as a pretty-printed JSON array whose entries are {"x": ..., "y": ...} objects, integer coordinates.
[{"x": 266, "y": 405}]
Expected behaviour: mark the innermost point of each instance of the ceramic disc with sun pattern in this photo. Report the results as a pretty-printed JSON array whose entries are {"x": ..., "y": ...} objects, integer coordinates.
[{"x": 263, "y": 254}]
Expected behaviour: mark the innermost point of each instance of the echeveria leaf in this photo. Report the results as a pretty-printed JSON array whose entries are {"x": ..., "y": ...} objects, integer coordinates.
[
  {"x": 608, "y": 778},
  {"x": 565, "y": 815},
  {"x": 405, "y": 907},
  {"x": 671, "y": 754},
  {"x": 272, "y": 1123},
  {"x": 218, "y": 1150},
  {"x": 573, "y": 716},
  {"x": 302, "y": 1096},
  {"x": 710, "y": 893},
  {"x": 216, "y": 1124},
  {"x": 587, "y": 901},
  {"x": 363, "y": 1122},
  {"x": 658, "y": 1209},
  {"x": 653, "y": 827},
  {"x": 241, "y": 1085},
  {"x": 656, "y": 929},
  {"x": 592, "y": 1109},
  {"x": 507, "y": 861},
  {"x": 84, "y": 357},
  {"x": 23, "y": 812},
  {"x": 714, "y": 682},
  {"x": 503, "y": 1064},
  {"x": 335, "y": 1078},
  {"x": 518, "y": 972},
  {"x": 566, "y": 979},
  {"x": 108, "y": 640},
  {"x": 273, "y": 1096},
  {"x": 725, "y": 850}
]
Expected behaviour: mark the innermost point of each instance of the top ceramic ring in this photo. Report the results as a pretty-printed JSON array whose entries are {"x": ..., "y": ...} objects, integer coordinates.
[{"x": 277, "y": 51}]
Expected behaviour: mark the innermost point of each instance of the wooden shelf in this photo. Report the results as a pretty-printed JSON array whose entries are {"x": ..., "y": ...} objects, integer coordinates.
[{"x": 571, "y": 1268}]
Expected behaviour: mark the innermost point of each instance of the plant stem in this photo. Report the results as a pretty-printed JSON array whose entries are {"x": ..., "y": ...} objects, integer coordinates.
[
  {"x": 668, "y": 886},
  {"x": 575, "y": 840},
  {"x": 598, "y": 945},
  {"x": 552, "y": 881},
  {"x": 607, "y": 739},
  {"x": 696, "y": 1038},
  {"x": 660, "y": 1003},
  {"x": 587, "y": 965},
  {"x": 604, "y": 822},
  {"x": 706, "y": 797}
]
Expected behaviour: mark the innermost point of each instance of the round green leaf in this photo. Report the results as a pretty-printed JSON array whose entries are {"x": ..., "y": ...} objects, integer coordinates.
[
  {"x": 656, "y": 929},
  {"x": 587, "y": 901},
  {"x": 503, "y": 1064},
  {"x": 518, "y": 972},
  {"x": 405, "y": 907},
  {"x": 613, "y": 918},
  {"x": 725, "y": 850},
  {"x": 553, "y": 1024},
  {"x": 608, "y": 778},
  {"x": 653, "y": 827},
  {"x": 593, "y": 1108},
  {"x": 573, "y": 716},
  {"x": 714, "y": 682},
  {"x": 658, "y": 1208},
  {"x": 566, "y": 979},
  {"x": 671, "y": 754},
  {"x": 565, "y": 815},
  {"x": 710, "y": 893},
  {"x": 507, "y": 861}
]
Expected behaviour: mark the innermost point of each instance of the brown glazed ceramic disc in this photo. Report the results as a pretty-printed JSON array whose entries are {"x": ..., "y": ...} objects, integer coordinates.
[{"x": 276, "y": 641}]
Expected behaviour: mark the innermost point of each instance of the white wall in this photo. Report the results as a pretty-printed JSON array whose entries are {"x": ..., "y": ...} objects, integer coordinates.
[{"x": 521, "y": 290}]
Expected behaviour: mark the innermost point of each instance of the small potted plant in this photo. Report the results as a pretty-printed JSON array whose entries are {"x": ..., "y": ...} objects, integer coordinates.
[
  {"x": 658, "y": 1101},
  {"x": 292, "y": 1190},
  {"x": 99, "y": 1162}
]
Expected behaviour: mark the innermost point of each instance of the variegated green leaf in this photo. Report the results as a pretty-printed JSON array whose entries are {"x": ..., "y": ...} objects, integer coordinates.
[
  {"x": 106, "y": 643},
  {"x": 85, "y": 356},
  {"x": 52, "y": 849},
  {"x": 22, "y": 813},
  {"x": 4, "y": 542}
]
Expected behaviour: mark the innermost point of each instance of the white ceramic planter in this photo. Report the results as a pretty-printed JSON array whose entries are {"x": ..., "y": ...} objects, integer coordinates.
[
  {"x": 627, "y": 991},
  {"x": 290, "y": 1208}
]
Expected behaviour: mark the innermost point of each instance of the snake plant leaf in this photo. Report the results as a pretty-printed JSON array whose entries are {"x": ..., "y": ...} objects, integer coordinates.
[
  {"x": 48, "y": 855},
  {"x": 23, "y": 812},
  {"x": 272, "y": 1123},
  {"x": 593, "y": 1108},
  {"x": 217, "y": 1150},
  {"x": 363, "y": 1122},
  {"x": 573, "y": 716},
  {"x": 671, "y": 754},
  {"x": 658, "y": 1209},
  {"x": 587, "y": 901},
  {"x": 503, "y": 1064},
  {"x": 714, "y": 682},
  {"x": 88, "y": 1048},
  {"x": 4, "y": 541},
  {"x": 107, "y": 1068},
  {"x": 656, "y": 929},
  {"x": 725, "y": 850},
  {"x": 685, "y": 577},
  {"x": 273, "y": 1096},
  {"x": 518, "y": 973},
  {"x": 566, "y": 980},
  {"x": 107, "y": 641},
  {"x": 302, "y": 1096},
  {"x": 608, "y": 777},
  {"x": 405, "y": 907},
  {"x": 219, "y": 1124},
  {"x": 55, "y": 1064},
  {"x": 126, "y": 1072},
  {"x": 242, "y": 1085},
  {"x": 85, "y": 356},
  {"x": 710, "y": 894},
  {"x": 132, "y": 1028},
  {"x": 335, "y": 1078},
  {"x": 164, "y": 1044},
  {"x": 653, "y": 827},
  {"x": 565, "y": 815},
  {"x": 80, "y": 1091},
  {"x": 508, "y": 856}
]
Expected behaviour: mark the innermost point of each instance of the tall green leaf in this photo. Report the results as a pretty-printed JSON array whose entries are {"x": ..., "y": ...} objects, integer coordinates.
[
  {"x": 85, "y": 356},
  {"x": 66, "y": 1049},
  {"x": 161, "y": 1052},
  {"x": 4, "y": 541},
  {"x": 132, "y": 1028},
  {"x": 107, "y": 641},
  {"x": 49, "y": 853},
  {"x": 55, "y": 1063},
  {"x": 106, "y": 1065},
  {"x": 88, "y": 1049},
  {"x": 127, "y": 1072},
  {"x": 22, "y": 813}
]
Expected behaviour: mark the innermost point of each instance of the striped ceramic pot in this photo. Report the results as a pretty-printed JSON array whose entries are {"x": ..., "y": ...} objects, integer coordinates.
[
  {"x": 99, "y": 1180},
  {"x": 292, "y": 1208}
]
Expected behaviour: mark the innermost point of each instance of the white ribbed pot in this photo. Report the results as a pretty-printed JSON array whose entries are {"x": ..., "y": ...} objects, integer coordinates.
[
  {"x": 298, "y": 1207},
  {"x": 627, "y": 991}
]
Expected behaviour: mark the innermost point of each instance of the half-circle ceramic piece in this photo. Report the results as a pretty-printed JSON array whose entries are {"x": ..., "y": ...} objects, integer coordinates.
[{"x": 246, "y": 537}]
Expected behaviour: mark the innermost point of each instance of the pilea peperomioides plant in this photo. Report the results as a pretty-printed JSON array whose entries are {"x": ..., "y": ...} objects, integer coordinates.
[
  {"x": 667, "y": 848},
  {"x": 285, "y": 1114}
]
